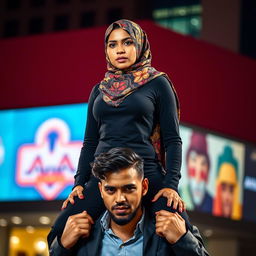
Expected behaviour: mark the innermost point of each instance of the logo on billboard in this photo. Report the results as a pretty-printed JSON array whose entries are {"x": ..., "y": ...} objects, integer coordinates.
[{"x": 49, "y": 164}]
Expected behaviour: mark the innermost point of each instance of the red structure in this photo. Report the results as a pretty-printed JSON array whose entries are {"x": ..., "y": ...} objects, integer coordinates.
[{"x": 216, "y": 87}]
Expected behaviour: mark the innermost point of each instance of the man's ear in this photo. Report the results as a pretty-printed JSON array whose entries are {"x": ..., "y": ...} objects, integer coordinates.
[
  {"x": 100, "y": 188},
  {"x": 144, "y": 186}
]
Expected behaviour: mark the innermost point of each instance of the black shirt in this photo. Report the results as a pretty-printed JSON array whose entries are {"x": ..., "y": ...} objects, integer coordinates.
[{"x": 131, "y": 125}]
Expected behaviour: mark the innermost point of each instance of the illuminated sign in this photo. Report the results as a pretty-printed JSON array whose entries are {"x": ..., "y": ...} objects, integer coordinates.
[
  {"x": 249, "y": 206},
  {"x": 40, "y": 147},
  {"x": 49, "y": 163},
  {"x": 39, "y": 151}
]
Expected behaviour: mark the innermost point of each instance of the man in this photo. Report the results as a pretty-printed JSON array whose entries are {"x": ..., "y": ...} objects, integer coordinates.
[
  {"x": 126, "y": 228},
  {"x": 198, "y": 168}
]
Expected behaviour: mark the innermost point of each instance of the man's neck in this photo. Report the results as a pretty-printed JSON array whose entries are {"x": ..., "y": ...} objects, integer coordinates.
[{"x": 125, "y": 232}]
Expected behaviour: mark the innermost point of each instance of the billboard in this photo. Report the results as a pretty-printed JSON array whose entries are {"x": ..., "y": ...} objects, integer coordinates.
[
  {"x": 212, "y": 174},
  {"x": 40, "y": 147},
  {"x": 249, "y": 182},
  {"x": 39, "y": 150}
]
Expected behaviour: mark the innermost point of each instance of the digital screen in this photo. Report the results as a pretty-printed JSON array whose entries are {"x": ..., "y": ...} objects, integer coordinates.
[
  {"x": 39, "y": 151},
  {"x": 40, "y": 148},
  {"x": 212, "y": 174},
  {"x": 249, "y": 209}
]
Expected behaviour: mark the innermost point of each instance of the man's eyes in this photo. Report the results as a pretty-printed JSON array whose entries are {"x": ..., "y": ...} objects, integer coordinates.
[
  {"x": 110, "y": 190},
  {"x": 130, "y": 189}
]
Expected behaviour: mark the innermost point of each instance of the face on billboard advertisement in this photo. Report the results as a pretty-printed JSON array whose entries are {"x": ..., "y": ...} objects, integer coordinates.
[
  {"x": 195, "y": 171},
  {"x": 39, "y": 150},
  {"x": 212, "y": 173}
]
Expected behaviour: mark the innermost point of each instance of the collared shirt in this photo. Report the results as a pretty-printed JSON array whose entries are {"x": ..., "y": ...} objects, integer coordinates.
[{"x": 113, "y": 245}]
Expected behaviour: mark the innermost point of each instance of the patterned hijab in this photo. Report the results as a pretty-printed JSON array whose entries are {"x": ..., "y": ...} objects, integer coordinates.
[{"x": 118, "y": 84}]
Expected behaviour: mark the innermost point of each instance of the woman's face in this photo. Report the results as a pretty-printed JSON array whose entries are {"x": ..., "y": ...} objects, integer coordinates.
[{"x": 121, "y": 50}]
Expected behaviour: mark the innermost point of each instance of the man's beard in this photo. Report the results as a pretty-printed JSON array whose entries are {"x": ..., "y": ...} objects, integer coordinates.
[{"x": 127, "y": 219}]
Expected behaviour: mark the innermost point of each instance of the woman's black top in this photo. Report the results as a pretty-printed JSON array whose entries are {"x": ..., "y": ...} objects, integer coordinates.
[{"x": 131, "y": 125}]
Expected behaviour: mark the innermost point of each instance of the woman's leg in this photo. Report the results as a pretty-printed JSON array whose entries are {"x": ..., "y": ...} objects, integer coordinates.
[
  {"x": 92, "y": 203},
  {"x": 155, "y": 184}
]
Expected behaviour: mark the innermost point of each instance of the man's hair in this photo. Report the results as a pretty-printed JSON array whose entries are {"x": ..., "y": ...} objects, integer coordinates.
[{"x": 115, "y": 160}]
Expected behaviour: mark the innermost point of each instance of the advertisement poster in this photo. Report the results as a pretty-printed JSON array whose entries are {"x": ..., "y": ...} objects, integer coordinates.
[
  {"x": 40, "y": 147},
  {"x": 39, "y": 151},
  {"x": 212, "y": 174}
]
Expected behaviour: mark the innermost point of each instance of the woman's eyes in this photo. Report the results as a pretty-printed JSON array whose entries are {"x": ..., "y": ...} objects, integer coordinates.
[
  {"x": 111, "y": 45},
  {"x": 126, "y": 43}
]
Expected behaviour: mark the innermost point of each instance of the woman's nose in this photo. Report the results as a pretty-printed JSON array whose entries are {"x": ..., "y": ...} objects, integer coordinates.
[{"x": 120, "y": 49}]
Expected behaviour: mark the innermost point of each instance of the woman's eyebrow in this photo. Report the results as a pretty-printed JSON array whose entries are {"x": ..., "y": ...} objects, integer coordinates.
[{"x": 113, "y": 41}]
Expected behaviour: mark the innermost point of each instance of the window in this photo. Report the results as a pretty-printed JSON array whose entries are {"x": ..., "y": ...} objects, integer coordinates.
[
  {"x": 62, "y": 1},
  {"x": 37, "y": 3},
  {"x": 185, "y": 19},
  {"x": 114, "y": 14},
  {"x": 11, "y": 28},
  {"x": 36, "y": 25},
  {"x": 87, "y": 19},
  {"x": 13, "y": 4},
  {"x": 61, "y": 22}
]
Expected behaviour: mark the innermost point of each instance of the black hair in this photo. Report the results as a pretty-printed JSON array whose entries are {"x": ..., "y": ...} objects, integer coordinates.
[{"x": 115, "y": 160}]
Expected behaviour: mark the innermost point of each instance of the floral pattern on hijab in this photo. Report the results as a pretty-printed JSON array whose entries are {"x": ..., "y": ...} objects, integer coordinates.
[{"x": 118, "y": 84}]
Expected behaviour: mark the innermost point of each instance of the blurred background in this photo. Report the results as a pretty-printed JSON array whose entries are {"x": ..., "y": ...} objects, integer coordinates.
[{"x": 52, "y": 54}]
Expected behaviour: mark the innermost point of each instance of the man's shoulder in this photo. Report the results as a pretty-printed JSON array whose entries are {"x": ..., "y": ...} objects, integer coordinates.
[{"x": 152, "y": 243}]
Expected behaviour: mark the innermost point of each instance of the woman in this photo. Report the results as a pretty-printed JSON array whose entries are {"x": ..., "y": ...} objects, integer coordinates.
[{"x": 130, "y": 107}]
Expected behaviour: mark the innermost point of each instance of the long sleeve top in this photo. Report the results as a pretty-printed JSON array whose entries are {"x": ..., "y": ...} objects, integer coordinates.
[{"x": 130, "y": 125}]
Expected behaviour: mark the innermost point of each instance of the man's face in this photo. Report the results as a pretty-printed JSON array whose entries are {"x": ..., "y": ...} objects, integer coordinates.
[
  {"x": 227, "y": 197},
  {"x": 198, "y": 174},
  {"x": 122, "y": 193}
]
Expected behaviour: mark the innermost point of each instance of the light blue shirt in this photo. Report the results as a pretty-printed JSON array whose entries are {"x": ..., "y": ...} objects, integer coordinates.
[{"x": 114, "y": 246}]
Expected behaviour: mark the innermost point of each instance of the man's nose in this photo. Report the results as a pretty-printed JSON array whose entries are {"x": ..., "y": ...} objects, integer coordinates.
[{"x": 120, "y": 197}]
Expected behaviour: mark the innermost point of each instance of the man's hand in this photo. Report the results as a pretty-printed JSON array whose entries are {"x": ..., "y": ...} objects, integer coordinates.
[
  {"x": 78, "y": 225},
  {"x": 170, "y": 225}
]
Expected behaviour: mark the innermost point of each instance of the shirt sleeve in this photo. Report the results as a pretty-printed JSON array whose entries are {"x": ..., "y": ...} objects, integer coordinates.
[
  {"x": 57, "y": 249},
  {"x": 190, "y": 244},
  {"x": 169, "y": 124},
  {"x": 91, "y": 139}
]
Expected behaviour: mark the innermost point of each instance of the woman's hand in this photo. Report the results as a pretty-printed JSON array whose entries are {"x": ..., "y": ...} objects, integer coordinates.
[
  {"x": 77, "y": 191},
  {"x": 172, "y": 198}
]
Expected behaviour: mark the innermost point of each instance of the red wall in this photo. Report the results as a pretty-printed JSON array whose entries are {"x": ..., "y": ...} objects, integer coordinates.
[{"x": 216, "y": 87}]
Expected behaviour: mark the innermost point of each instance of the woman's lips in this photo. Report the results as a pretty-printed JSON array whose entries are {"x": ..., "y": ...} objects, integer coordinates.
[{"x": 121, "y": 60}]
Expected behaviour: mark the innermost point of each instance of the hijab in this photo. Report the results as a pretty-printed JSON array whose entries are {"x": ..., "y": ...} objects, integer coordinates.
[{"x": 118, "y": 84}]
